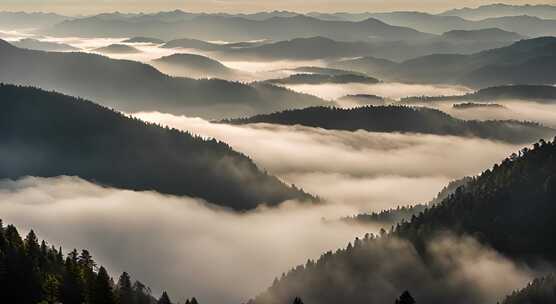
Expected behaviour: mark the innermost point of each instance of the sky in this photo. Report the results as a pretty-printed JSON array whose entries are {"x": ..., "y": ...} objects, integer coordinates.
[{"x": 81, "y": 7}]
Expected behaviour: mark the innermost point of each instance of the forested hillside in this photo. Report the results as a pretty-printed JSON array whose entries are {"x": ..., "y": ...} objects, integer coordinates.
[
  {"x": 49, "y": 134},
  {"x": 540, "y": 291},
  {"x": 32, "y": 271},
  {"x": 508, "y": 209},
  {"x": 403, "y": 119}
]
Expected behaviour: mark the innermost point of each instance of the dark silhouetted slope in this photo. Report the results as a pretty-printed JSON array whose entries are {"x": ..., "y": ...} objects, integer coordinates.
[
  {"x": 403, "y": 119},
  {"x": 49, "y": 134}
]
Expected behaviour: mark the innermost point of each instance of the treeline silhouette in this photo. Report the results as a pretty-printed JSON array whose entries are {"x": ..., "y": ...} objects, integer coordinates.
[
  {"x": 32, "y": 272},
  {"x": 404, "y": 213},
  {"x": 539, "y": 291},
  {"x": 49, "y": 134},
  {"x": 474, "y": 105},
  {"x": 402, "y": 119},
  {"x": 389, "y": 216},
  {"x": 324, "y": 78},
  {"x": 509, "y": 208},
  {"x": 538, "y": 93}
]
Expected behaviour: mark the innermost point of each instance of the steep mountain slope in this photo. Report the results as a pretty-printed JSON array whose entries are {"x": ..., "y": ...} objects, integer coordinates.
[
  {"x": 508, "y": 210},
  {"x": 49, "y": 134},
  {"x": 403, "y": 119},
  {"x": 132, "y": 86}
]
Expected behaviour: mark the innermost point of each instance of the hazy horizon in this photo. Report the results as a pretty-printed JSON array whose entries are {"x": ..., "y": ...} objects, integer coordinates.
[{"x": 84, "y": 7}]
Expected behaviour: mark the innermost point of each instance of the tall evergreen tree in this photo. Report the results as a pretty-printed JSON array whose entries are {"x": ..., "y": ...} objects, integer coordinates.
[
  {"x": 405, "y": 298},
  {"x": 124, "y": 293},
  {"x": 164, "y": 299},
  {"x": 102, "y": 291}
]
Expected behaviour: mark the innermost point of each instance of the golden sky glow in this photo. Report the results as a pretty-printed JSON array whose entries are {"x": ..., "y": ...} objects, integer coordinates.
[{"x": 75, "y": 7}]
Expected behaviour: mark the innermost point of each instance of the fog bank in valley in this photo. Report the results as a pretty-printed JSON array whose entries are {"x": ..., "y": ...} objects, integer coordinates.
[
  {"x": 361, "y": 169},
  {"x": 178, "y": 244}
]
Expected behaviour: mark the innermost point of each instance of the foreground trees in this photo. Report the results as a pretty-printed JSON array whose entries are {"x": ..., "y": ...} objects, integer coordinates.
[{"x": 32, "y": 272}]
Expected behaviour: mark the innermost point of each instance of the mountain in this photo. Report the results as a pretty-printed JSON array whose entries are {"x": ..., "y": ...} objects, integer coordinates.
[
  {"x": 323, "y": 78},
  {"x": 539, "y": 291},
  {"x": 143, "y": 40},
  {"x": 529, "y": 61},
  {"x": 34, "y": 44},
  {"x": 48, "y": 134},
  {"x": 231, "y": 28},
  {"x": 118, "y": 49},
  {"x": 131, "y": 86},
  {"x": 505, "y": 214},
  {"x": 529, "y": 26},
  {"x": 23, "y": 20},
  {"x": 403, "y": 119},
  {"x": 502, "y": 10},
  {"x": 194, "y": 66}
]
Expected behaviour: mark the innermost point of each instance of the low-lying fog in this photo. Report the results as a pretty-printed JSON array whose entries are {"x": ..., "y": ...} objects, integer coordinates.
[
  {"x": 180, "y": 244},
  {"x": 361, "y": 169}
]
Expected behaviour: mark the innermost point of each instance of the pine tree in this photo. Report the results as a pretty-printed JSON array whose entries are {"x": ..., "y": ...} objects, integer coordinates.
[
  {"x": 164, "y": 299},
  {"x": 405, "y": 298},
  {"x": 102, "y": 290},
  {"x": 124, "y": 293},
  {"x": 51, "y": 288},
  {"x": 297, "y": 300}
]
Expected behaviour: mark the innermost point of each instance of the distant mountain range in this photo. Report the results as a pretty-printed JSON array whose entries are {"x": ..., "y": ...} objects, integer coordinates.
[
  {"x": 229, "y": 28},
  {"x": 48, "y": 134},
  {"x": 527, "y": 20},
  {"x": 403, "y": 119},
  {"x": 530, "y": 61},
  {"x": 22, "y": 20},
  {"x": 313, "y": 48},
  {"x": 131, "y": 86},
  {"x": 499, "y": 10}
]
